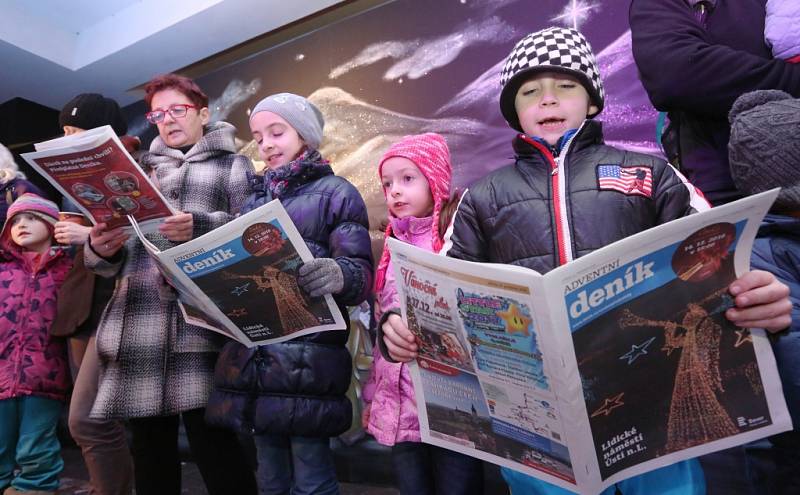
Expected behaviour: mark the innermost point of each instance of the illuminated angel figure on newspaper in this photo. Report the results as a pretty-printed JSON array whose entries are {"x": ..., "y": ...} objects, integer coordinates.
[
  {"x": 695, "y": 413},
  {"x": 292, "y": 311}
]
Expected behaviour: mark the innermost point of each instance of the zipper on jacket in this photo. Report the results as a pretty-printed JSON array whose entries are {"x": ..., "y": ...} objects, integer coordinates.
[{"x": 564, "y": 252}]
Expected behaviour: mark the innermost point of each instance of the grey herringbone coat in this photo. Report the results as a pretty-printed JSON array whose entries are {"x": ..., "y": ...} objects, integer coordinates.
[{"x": 152, "y": 362}]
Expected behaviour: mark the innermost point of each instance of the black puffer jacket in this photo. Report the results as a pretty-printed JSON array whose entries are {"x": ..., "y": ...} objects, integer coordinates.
[
  {"x": 543, "y": 211},
  {"x": 298, "y": 387}
]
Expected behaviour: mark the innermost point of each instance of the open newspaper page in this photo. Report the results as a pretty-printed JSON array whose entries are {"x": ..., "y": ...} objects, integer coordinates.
[
  {"x": 618, "y": 363},
  {"x": 665, "y": 376},
  {"x": 190, "y": 297},
  {"x": 95, "y": 171},
  {"x": 241, "y": 280},
  {"x": 489, "y": 376}
]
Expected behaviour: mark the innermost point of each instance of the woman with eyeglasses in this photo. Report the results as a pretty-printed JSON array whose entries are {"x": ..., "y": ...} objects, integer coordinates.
[{"x": 157, "y": 369}]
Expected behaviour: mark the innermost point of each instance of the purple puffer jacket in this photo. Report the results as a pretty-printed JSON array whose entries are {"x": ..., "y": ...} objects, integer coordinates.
[
  {"x": 389, "y": 392},
  {"x": 780, "y": 28},
  {"x": 31, "y": 361}
]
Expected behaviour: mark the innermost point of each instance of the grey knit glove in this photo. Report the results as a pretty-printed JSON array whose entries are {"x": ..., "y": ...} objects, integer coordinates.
[{"x": 321, "y": 276}]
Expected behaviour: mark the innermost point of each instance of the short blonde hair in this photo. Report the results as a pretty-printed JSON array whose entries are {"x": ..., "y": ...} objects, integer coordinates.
[{"x": 8, "y": 167}]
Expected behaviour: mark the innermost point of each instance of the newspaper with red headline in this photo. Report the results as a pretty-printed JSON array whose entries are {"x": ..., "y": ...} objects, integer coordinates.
[
  {"x": 95, "y": 171},
  {"x": 615, "y": 364}
]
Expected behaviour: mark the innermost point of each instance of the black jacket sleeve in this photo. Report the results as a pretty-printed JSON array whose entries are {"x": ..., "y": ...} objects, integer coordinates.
[
  {"x": 675, "y": 197},
  {"x": 467, "y": 242},
  {"x": 682, "y": 69}
]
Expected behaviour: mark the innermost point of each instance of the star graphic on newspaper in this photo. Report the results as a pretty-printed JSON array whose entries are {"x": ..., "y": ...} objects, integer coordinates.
[
  {"x": 609, "y": 405},
  {"x": 238, "y": 312},
  {"x": 516, "y": 322},
  {"x": 291, "y": 264},
  {"x": 240, "y": 289},
  {"x": 637, "y": 351},
  {"x": 743, "y": 335}
]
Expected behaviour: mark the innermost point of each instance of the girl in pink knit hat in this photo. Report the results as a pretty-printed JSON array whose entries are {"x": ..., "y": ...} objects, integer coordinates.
[
  {"x": 34, "y": 377},
  {"x": 415, "y": 174}
]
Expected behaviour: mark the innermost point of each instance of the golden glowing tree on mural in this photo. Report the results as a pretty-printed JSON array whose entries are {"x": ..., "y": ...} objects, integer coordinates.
[
  {"x": 292, "y": 311},
  {"x": 695, "y": 414}
]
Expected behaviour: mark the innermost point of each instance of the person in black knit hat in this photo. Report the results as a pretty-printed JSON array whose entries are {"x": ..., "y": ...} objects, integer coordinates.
[
  {"x": 81, "y": 301},
  {"x": 89, "y": 110}
]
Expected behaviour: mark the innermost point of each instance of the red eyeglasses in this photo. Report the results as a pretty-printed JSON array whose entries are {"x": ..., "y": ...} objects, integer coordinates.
[{"x": 177, "y": 111}]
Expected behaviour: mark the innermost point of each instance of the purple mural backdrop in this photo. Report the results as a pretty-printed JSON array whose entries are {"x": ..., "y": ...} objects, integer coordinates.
[{"x": 411, "y": 66}]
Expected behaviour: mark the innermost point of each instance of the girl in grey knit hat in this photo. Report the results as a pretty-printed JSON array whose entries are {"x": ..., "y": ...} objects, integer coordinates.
[{"x": 309, "y": 375}]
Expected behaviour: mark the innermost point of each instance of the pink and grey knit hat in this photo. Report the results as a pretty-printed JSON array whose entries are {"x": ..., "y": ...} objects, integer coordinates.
[
  {"x": 430, "y": 154},
  {"x": 35, "y": 205}
]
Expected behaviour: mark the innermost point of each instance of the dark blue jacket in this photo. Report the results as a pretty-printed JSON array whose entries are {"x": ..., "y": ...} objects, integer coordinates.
[
  {"x": 777, "y": 250},
  {"x": 696, "y": 72},
  {"x": 298, "y": 387}
]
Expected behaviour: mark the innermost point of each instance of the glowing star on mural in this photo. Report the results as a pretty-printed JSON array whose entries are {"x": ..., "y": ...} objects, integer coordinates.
[
  {"x": 516, "y": 322},
  {"x": 609, "y": 405},
  {"x": 240, "y": 289},
  {"x": 575, "y": 13},
  {"x": 743, "y": 335},
  {"x": 637, "y": 351}
]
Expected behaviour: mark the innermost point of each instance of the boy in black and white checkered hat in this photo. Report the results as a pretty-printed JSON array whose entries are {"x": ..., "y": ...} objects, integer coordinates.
[
  {"x": 555, "y": 51},
  {"x": 568, "y": 193}
]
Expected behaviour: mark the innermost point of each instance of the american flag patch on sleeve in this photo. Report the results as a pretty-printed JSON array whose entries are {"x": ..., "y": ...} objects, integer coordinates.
[{"x": 627, "y": 180}]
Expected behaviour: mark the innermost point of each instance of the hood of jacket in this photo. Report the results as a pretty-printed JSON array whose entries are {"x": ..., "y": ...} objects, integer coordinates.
[{"x": 218, "y": 139}]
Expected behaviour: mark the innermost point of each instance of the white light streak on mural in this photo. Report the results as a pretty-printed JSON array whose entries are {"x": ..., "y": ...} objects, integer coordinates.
[
  {"x": 235, "y": 93},
  {"x": 374, "y": 53},
  {"x": 416, "y": 58}
]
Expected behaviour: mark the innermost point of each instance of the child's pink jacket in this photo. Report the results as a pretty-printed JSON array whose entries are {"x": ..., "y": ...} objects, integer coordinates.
[
  {"x": 31, "y": 361},
  {"x": 389, "y": 392}
]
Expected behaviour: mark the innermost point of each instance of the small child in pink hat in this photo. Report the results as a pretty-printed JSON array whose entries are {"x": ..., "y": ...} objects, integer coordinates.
[
  {"x": 34, "y": 377},
  {"x": 415, "y": 175}
]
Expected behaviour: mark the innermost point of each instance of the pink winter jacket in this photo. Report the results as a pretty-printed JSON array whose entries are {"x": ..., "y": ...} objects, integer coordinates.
[
  {"x": 389, "y": 392},
  {"x": 31, "y": 361}
]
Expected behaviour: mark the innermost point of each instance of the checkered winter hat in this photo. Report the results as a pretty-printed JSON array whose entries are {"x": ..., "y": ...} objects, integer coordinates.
[
  {"x": 554, "y": 49},
  {"x": 764, "y": 148},
  {"x": 430, "y": 154},
  {"x": 35, "y": 205}
]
